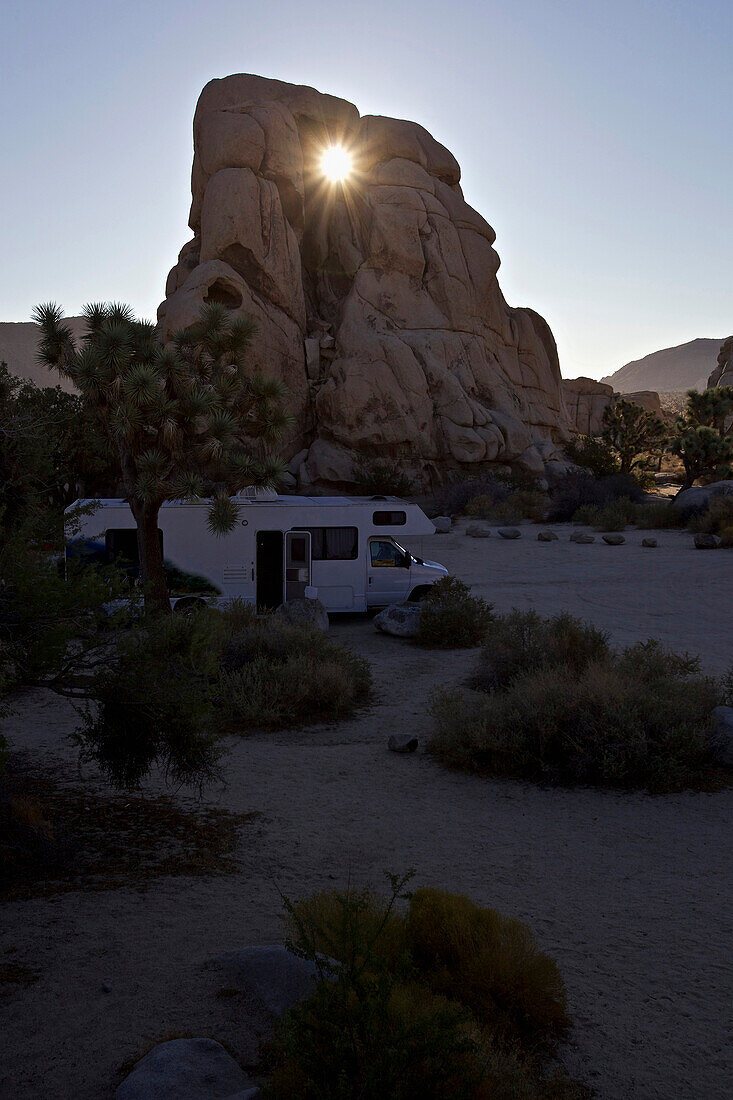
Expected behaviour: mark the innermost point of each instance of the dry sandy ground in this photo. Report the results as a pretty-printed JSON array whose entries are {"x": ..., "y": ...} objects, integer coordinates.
[{"x": 630, "y": 893}]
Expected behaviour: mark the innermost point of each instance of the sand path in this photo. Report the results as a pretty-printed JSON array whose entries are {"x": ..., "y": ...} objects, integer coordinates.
[{"x": 631, "y": 894}]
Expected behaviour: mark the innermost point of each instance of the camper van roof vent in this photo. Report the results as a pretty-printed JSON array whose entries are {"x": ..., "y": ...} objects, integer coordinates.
[{"x": 257, "y": 492}]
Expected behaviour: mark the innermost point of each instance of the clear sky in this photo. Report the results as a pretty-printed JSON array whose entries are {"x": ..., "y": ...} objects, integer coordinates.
[{"x": 594, "y": 135}]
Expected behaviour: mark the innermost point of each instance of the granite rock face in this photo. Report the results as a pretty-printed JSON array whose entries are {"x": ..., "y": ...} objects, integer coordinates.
[
  {"x": 723, "y": 373},
  {"x": 585, "y": 401},
  {"x": 377, "y": 299}
]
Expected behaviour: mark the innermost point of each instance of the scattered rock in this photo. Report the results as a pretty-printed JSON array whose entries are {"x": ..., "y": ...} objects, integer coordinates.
[
  {"x": 478, "y": 531},
  {"x": 613, "y": 540},
  {"x": 582, "y": 537},
  {"x": 442, "y": 524},
  {"x": 724, "y": 735},
  {"x": 509, "y": 533},
  {"x": 547, "y": 536},
  {"x": 273, "y": 974},
  {"x": 706, "y": 542},
  {"x": 399, "y": 619},
  {"x": 106, "y": 987},
  {"x": 303, "y": 613},
  {"x": 650, "y": 543},
  {"x": 402, "y": 742},
  {"x": 187, "y": 1069}
]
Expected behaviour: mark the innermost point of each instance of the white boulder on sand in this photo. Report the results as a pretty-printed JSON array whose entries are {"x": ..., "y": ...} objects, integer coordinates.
[
  {"x": 185, "y": 1069},
  {"x": 303, "y": 613},
  {"x": 698, "y": 497},
  {"x": 400, "y": 619},
  {"x": 273, "y": 974}
]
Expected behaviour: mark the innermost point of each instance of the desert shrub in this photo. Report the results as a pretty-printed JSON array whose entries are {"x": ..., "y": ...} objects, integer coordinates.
[
  {"x": 410, "y": 1007},
  {"x": 276, "y": 675},
  {"x": 638, "y": 719},
  {"x": 614, "y": 516},
  {"x": 451, "y": 618},
  {"x": 523, "y": 641},
  {"x": 580, "y": 489},
  {"x": 593, "y": 454},
  {"x": 381, "y": 476},
  {"x": 658, "y": 514},
  {"x": 519, "y": 504},
  {"x": 716, "y": 518},
  {"x": 153, "y": 702},
  {"x": 491, "y": 490}
]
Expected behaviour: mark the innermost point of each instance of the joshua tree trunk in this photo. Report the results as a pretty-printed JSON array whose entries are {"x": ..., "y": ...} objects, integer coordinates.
[{"x": 151, "y": 557}]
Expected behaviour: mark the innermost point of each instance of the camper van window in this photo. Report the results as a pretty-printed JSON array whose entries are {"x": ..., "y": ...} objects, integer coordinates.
[
  {"x": 333, "y": 543},
  {"x": 389, "y": 519}
]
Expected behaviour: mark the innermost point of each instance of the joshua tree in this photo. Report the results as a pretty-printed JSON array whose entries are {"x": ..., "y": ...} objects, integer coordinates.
[
  {"x": 635, "y": 435},
  {"x": 185, "y": 418},
  {"x": 704, "y": 452},
  {"x": 711, "y": 409}
]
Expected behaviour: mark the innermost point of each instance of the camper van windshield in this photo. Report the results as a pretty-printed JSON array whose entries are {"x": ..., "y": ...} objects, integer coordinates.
[{"x": 333, "y": 543}]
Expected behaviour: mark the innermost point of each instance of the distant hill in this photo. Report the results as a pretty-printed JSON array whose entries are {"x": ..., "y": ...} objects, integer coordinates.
[
  {"x": 685, "y": 367},
  {"x": 19, "y": 349}
]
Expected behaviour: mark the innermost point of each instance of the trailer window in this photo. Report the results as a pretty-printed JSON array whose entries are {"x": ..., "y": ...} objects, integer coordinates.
[
  {"x": 121, "y": 545},
  {"x": 389, "y": 519},
  {"x": 333, "y": 543}
]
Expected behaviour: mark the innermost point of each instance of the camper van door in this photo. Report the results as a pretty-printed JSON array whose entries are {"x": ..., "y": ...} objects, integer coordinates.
[{"x": 388, "y": 572}]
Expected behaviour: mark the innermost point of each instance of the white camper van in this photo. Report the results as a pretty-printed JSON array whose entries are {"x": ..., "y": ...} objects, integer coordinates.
[{"x": 351, "y": 553}]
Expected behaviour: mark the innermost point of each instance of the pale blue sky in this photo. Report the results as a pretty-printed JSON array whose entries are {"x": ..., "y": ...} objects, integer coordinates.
[{"x": 594, "y": 136}]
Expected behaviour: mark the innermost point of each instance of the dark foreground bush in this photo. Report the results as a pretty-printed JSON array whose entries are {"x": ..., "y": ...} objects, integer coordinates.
[
  {"x": 442, "y": 998},
  {"x": 583, "y": 490},
  {"x": 642, "y": 718},
  {"x": 451, "y": 617},
  {"x": 172, "y": 686}
]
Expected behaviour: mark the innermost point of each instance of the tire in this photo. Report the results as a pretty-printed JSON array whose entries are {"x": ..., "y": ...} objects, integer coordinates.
[
  {"x": 188, "y": 605},
  {"x": 418, "y": 593}
]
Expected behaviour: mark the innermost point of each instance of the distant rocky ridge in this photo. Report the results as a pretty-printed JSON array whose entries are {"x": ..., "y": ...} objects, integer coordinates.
[
  {"x": 377, "y": 302},
  {"x": 19, "y": 349},
  {"x": 684, "y": 367}
]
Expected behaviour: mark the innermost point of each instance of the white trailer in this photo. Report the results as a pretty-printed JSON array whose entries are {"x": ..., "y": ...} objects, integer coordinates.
[{"x": 351, "y": 553}]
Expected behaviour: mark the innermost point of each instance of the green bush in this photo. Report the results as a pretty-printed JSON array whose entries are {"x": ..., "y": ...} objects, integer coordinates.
[
  {"x": 615, "y": 516},
  {"x": 443, "y": 999},
  {"x": 381, "y": 476},
  {"x": 523, "y": 641},
  {"x": 659, "y": 514},
  {"x": 717, "y": 517},
  {"x": 641, "y": 718},
  {"x": 593, "y": 454},
  {"x": 276, "y": 675},
  {"x": 580, "y": 489},
  {"x": 451, "y": 618}
]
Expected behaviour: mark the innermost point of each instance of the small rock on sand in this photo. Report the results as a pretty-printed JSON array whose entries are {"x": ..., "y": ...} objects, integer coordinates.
[
  {"x": 649, "y": 543},
  {"x": 402, "y": 742},
  {"x": 478, "y": 531},
  {"x": 582, "y": 537},
  {"x": 442, "y": 524},
  {"x": 613, "y": 540},
  {"x": 276, "y": 976},
  {"x": 509, "y": 533},
  {"x": 547, "y": 536},
  {"x": 399, "y": 619},
  {"x": 706, "y": 542}
]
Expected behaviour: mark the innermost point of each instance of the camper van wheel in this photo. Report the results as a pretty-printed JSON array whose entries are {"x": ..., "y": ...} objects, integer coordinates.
[
  {"x": 188, "y": 605},
  {"x": 419, "y": 593}
]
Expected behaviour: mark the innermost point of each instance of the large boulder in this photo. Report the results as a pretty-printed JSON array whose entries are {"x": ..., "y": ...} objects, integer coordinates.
[
  {"x": 698, "y": 497},
  {"x": 585, "y": 400},
  {"x": 722, "y": 374},
  {"x": 276, "y": 977},
  {"x": 303, "y": 613},
  {"x": 376, "y": 300},
  {"x": 399, "y": 619},
  {"x": 187, "y": 1069}
]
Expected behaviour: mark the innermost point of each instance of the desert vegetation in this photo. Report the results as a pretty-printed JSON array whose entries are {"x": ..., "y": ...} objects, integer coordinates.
[
  {"x": 451, "y": 618},
  {"x": 419, "y": 994},
  {"x": 554, "y": 702}
]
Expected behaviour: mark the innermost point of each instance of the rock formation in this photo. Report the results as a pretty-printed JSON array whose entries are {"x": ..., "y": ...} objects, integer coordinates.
[
  {"x": 723, "y": 373},
  {"x": 585, "y": 400},
  {"x": 377, "y": 299},
  {"x": 19, "y": 349}
]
